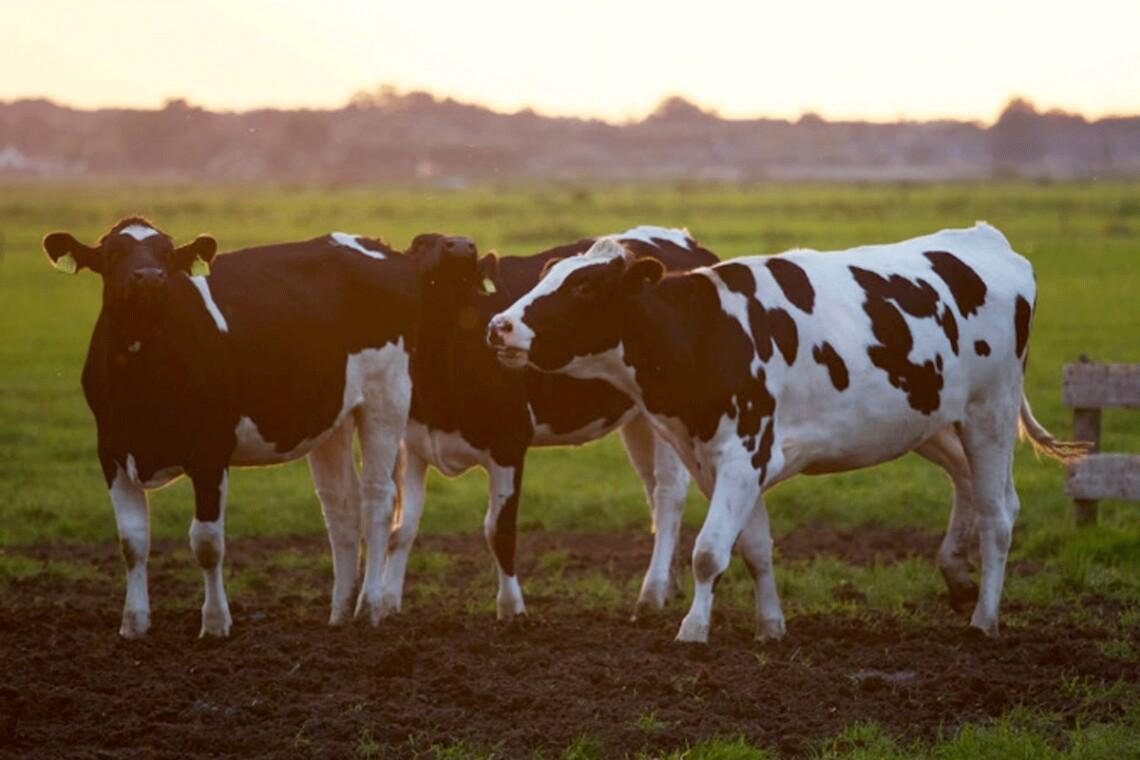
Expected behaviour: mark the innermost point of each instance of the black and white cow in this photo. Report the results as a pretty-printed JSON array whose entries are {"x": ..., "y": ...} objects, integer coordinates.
[
  {"x": 279, "y": 352},
  {"x": 468, "y": 410},
  {"x": 765, "y": 367}
]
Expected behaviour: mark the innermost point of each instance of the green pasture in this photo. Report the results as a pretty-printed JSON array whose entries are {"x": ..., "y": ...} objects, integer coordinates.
[{"x": 1084, "y": 241}]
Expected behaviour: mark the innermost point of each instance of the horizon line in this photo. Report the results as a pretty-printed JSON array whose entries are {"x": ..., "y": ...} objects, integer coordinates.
[{"x": 382, "y": 91}]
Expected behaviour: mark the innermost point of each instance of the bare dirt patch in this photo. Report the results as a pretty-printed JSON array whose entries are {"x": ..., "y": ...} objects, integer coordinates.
[{"x": 285, "y": 684}]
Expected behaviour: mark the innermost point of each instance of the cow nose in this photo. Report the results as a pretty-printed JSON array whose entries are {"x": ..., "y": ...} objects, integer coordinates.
[
  {"x": 496, "y": 329},
  {"x": 148, "y": 277},
  {"x": 459, "y": 246}
]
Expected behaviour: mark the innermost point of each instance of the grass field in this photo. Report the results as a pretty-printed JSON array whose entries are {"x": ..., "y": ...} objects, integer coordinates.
[{"x": 1084, "y": 241}]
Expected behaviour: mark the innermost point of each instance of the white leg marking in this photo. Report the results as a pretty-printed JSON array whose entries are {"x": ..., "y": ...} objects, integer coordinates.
[
  {"x": 208, "y": 542},
  {"x": 666, "y": 483},
  {"x": 989, "y": 436},
  {"x": 501, "y": 482},
  {"x": 755, "y": 545},
  {"x": 403, "y": 535},
  {"x": 133, "y": 521},
  {"x": 381, "y": 420},
  {"x": 334, "y": 475},
  {"x": 736, "y": 492}
]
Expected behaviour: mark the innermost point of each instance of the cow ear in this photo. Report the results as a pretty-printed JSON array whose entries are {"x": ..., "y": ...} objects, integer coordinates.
[
  {"x": 195, "y": 256},
  {"x": 69, "y": 255},
  {"x": 488, "y": 272},
  {"x": 642, "y": 273},
  {"x": 548, "y": 265}
]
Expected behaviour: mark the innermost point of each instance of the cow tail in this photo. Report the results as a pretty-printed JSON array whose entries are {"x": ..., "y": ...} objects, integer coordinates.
[
  {"x": 398, "y": 479},
  {"x": 1044, "y": 442}
]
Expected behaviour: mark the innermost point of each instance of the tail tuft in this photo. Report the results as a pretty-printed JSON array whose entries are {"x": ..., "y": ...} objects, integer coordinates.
[{"x": 1044, "y": 442}]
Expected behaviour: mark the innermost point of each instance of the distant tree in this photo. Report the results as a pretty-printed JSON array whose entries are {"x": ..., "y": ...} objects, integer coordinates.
[
  {"x": 1016, "y": 140},
  {"x": 677, "y": 108}
]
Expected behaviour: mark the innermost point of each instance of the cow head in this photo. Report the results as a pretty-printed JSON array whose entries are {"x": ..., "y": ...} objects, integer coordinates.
[
  {"x": 451, "y": 275},
  {"x": 134, "y": 259},
  {"x": 575, "y": 310}
]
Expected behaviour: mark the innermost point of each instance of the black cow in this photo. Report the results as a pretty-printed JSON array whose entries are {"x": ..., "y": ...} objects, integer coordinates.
[
  {"x": 279, "y": 352},
  {"x": 761, "y": 368},
  {"x": 467, "y": 410}
]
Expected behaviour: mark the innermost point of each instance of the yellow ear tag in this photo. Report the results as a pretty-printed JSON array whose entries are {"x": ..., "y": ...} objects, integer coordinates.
[
  {"x": 488, "y": 286},
  {"x": 199, "y": 268},
  {"x": 66, "y": 263}
]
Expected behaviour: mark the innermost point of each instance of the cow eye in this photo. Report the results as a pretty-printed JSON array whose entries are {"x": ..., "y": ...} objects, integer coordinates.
[{"x": 582, "y": 289}]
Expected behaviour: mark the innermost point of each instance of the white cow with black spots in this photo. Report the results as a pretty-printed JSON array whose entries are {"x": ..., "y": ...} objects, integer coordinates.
[{"x": 762, "y": 368}]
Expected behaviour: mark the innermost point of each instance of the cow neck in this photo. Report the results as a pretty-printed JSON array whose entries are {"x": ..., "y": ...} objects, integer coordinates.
[
  {"x": 168, "y": 354},
  {"x": 434, "y": 366},
  {"x": 659, "y": 341}
]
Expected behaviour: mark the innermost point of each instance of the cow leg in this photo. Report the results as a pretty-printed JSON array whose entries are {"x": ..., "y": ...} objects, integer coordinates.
[
  {"x": 988, "y": 436},
  {"x": 500, "y": 528},
  {"x": 208, "y": 542},
  {"x": 755, "y": 545},
  {"x": 133, "y": 521},
  {"x": 334, "y": 475},
  {"x": 736, "y": 492},
  {"x": 661, "y": 481},
  {"x": 945, "y": 450},
  {"x": 381, "y": 422},
  {"x": 403, "y": 534}
]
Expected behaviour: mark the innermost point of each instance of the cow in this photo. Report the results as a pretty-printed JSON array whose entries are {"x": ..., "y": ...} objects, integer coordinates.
[
  {"x": 279, "y": 352},
  {"x": 764, "y": 367},
  {"x": 469, "y": 411}
]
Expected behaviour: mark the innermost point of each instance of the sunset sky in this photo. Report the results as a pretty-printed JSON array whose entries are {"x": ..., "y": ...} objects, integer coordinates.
[{"x": 876, "y": 59}]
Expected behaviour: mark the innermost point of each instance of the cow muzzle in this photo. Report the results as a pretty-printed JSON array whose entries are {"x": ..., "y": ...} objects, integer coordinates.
[{"x": 506, "y": 340}]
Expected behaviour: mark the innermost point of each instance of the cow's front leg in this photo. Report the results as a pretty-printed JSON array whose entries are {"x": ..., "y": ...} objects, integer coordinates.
[
  {"x": 735, "y": 493},
  {"x": 755, "y": 545},
  {"x": 133, "y": 521},
  {"x": 208, "y": 542},
  {"x": 381, "y": 430},
  {"x": 500, "y": 528}
]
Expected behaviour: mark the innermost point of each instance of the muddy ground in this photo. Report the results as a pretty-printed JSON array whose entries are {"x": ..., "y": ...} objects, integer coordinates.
[{"x": 446, "y": 672}]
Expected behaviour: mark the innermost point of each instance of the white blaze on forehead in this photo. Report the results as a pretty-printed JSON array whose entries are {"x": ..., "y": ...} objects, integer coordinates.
[
  {"x": 650, "y": 234},
  {"x": 139, "y": 231},
  {"x": 353, "y": 242},
  {"x": 602, "y": 251},
  {"x": 204, "y": 289}
]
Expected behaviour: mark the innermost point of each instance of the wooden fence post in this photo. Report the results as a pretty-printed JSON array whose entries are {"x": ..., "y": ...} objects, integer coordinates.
[{"x": 1086, "y": 427}]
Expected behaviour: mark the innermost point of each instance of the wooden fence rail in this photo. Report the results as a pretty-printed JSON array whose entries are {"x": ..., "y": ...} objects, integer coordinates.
[{"x": 1088, "y": 388}]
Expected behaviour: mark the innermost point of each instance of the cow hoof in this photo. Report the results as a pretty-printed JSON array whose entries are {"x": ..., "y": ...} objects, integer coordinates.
[
  {"x": 134, "y": 625},
  {"x": 215, "y": 624},
  {"x": 510, "y": 611},
  {"x": 770, "y": 629},
  {"x": 693, "y": 632},
  {"x": 989, "y": 628},
  {"x": 368, "y": 609},
  {"x": 389, "y": 607},
  {"x": 963, "y": 597},
  {"x": 649, "y": 602},
  {"x": 339, "y": 617}
]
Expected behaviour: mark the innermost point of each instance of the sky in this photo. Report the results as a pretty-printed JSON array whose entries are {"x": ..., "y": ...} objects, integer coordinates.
[{"x": 872, "y": 59}]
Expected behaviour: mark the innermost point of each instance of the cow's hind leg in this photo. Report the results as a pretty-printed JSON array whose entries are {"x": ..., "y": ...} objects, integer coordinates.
[
  {"x": 208, "y": 542},
  {"x": 500, "y": 526},
  {"x": 334, "y": 476},
  {"x": 988, "y": 436},
  {"x": 381, "y": 431},
  {"x": 403, "y": 534},
  {"x": 666, "y": 482},
  {"x": 945, "y": 450},
  {"x": 133, "y": 521},
  {"x": 755, "y": 545}
]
